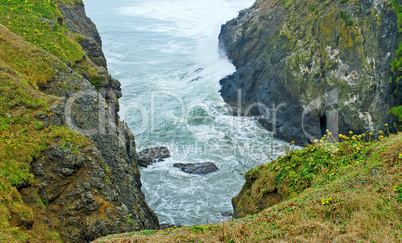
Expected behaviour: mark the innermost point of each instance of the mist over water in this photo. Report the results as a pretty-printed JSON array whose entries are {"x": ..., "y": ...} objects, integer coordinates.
[{"x": 165, "y": 54}]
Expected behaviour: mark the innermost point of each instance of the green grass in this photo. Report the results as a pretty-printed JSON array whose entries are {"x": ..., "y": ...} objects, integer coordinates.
[
  {"x": 23, "y": 18},
  {"x": 26, "y": 19}
]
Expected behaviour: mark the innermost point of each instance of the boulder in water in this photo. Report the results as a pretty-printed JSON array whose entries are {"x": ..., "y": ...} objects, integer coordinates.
[
  {"x": 197, "y": 168},
  {"x": 227, "y": 214},
  {"x": 150, "y": 155}
]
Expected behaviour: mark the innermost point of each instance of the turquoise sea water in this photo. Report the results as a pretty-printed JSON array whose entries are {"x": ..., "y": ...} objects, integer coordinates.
[{"x": 165, "y": 54}]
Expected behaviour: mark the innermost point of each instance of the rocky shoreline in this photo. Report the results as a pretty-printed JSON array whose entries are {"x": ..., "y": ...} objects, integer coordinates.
[{"x": 301, "y": 72}]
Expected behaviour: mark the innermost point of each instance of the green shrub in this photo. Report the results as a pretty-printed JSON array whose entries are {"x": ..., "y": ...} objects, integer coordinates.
[
  {"x": 396, "y": 111},
  {"x": 398, "y": 190},
  {"x": 95, "y": 81},
  {"x": 348, "y": 19}
]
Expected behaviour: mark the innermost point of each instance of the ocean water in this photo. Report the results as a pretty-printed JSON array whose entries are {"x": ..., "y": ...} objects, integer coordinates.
[{"x": 165, "y": 54}]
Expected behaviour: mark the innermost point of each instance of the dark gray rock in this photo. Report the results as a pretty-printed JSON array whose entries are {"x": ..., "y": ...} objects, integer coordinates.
[
  {"x": 150, "y": 155},
  {"x": 227, "y": 214},
  {"x": 77, "y": 21},
  {"x": 37, "y": 169},
  {"x": 300, "y": 74},
  {"x": 197, "y": 168},
  {"x": 86, "y": 192}
]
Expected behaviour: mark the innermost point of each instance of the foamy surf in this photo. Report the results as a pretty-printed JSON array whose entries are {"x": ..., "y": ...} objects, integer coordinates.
[{"x": 165, "y": 53}]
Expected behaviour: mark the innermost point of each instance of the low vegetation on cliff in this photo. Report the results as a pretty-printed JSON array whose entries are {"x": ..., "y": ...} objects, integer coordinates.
[
  {"x": 55, "y": 184},
  {"x": 347, "y": 191},
  {"x": 24, "y": 65}
]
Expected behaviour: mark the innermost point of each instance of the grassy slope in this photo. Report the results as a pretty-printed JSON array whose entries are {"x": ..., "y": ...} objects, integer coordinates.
[
  {"x": 30, "y": 53},
  {"x": 354, "y": 195}
]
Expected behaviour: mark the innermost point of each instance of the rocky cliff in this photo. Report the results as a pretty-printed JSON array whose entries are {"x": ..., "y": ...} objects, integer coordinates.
[
  {"x": 80, "y": 180},
  {"x": 307, "y": 66}
]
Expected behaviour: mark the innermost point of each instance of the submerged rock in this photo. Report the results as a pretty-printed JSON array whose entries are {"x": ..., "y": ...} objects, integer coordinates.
[
  {"x": 150, "y": 155},
  {"x": 197, "y": 168},
  {"x": 227, "y": 214}
]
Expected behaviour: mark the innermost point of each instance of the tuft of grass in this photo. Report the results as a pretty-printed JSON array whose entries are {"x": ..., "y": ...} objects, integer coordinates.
[
  {"x": 398, "y": 190},
  {"x": 396, "y": 111},
  {"x": 347, "y": 18},
  {"x": 96, "y": 82}
]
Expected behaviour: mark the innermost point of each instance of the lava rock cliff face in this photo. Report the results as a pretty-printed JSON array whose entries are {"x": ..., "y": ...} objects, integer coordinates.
[
  {"x": 95, "y": 190},
  {"x": 307, "y": 66}
]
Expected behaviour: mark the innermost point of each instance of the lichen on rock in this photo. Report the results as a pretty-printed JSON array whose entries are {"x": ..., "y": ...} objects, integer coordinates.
[{"x": 301, "y": 60}]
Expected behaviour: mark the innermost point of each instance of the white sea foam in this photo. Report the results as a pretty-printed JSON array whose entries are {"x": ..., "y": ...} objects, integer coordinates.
[
  {"x": 190, "y": 18},
  {"x": 172, "y": 46}
]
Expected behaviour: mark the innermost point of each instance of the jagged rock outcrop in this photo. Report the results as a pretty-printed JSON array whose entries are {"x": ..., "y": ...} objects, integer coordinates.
[
  {"x": 78, "y": 22},
  {"x": 95, "y": 190},
  {"x": 312, "y": 66},
  {"x": 150, "y": 155},
  {"x": 82, "y": 199}
]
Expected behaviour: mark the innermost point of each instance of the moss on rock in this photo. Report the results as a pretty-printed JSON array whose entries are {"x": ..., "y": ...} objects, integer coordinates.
[{"x": 311, "y": 49}]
